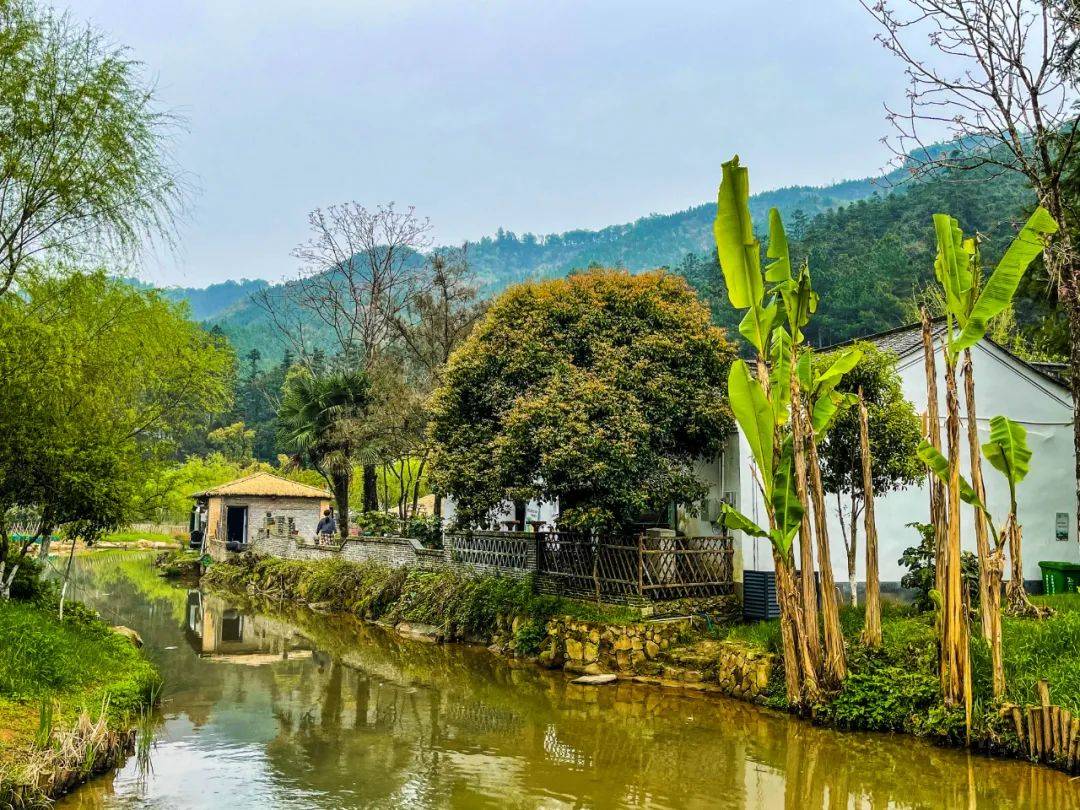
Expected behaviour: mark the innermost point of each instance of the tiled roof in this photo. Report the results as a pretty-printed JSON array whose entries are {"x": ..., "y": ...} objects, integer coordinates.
[
  {"x": 905, "y": 340},
  {"x": 268, "y": 485},
  {"x": 901, "y": 341}
]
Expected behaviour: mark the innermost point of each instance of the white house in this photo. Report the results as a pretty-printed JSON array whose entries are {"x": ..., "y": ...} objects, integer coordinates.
[{"x": 1031, "y": 394}]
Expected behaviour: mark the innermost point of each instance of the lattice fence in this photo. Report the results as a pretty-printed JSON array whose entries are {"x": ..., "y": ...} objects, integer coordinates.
[
  {"x": 513, "y": 550},
  {"x": 652, "y": 568}
]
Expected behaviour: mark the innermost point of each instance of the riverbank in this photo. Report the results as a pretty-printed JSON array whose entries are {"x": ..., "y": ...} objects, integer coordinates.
[
  {"x": 893, "y": 688},
  {"x": 71, "y": 694}
]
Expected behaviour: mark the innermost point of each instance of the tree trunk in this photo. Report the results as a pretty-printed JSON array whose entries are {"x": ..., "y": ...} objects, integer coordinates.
[
  {"x": 800, "y": 678},
  {"x": 871, "y": 634},
  {"x": 341, "y": 499},
  {"x": 933, "y": 435},
  {"x": 852, "y": 554},
  {"x": 982, "y": 542},
  {"x": 799, "y": 434},
  {"x": 937, "y": 491},
  {"x": 371, "y": 488},
  {"x": 835, "y": 662},
  {"x": 956, "y": 681},
  {"x": 995, "y": 565}
]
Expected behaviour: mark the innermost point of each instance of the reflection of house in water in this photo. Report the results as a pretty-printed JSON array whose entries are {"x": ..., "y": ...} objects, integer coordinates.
[{"x": 220, "y": 632}]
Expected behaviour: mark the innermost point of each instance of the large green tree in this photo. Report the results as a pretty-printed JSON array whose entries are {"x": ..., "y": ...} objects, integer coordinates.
[
  {"x": 83, "y": 168},
  {"x": 99, "y": 379},
  {"x": 598, "y": 389},
  {"x": 894, "y": 434}
]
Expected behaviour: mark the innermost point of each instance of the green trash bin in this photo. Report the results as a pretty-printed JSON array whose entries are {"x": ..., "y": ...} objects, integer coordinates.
[{"x": 1060, "y": 577}]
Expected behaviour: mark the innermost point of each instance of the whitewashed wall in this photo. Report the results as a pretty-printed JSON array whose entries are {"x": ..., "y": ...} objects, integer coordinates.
[{"x": 1002, "y": 386}]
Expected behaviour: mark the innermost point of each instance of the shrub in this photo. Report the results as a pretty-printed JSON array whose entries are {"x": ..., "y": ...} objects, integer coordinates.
[
  {"x": 882, "y": 697},
  {"x": 922, "y": 569}
]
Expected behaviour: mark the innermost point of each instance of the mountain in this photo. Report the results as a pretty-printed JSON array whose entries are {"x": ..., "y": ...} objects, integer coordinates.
[
  {"x": 649, "y": 242},
  {"x": 870, "y": 248},
  {"x": 652, "y": 241},
  {"x": 215, "y": 302}
]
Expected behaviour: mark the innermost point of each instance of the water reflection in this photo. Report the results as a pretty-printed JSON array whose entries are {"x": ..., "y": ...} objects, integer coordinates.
[{"x": 294, "y": 709}]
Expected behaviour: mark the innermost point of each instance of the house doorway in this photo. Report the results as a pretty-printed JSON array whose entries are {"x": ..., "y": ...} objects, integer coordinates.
[{"x": 236, "y": 524}]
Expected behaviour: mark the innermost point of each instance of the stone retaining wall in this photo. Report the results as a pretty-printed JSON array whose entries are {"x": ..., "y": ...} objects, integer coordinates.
[
  {"x": 593, "y": 648},
  {"x": 743, "y": 671}
]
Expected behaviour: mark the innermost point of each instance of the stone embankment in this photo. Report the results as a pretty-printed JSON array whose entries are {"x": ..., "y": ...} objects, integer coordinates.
[{"x": 664, "y": 652}]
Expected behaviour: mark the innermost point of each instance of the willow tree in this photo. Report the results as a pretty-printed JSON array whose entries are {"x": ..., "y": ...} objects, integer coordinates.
[
  {"x": 776, "y": 416},
  {"x": 970, "y": 305}
]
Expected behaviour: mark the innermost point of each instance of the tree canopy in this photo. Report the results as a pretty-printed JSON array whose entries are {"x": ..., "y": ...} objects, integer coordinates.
[
  {"x": 598, "y": 389},
  {"x": 99, "y": 380},
  {"x": 84, "y": 169},
  {"x": 894, "y": 429}
]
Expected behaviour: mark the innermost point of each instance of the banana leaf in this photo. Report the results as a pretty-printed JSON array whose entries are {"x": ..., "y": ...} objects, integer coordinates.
[
  {"x": 754, "y": 415},
  {"x": 736, "y": 247},
  {"x": 732, "y": 518},
  {"x": 939, "y": 466},
  {"x": 1008, "y": 451},
  {"x": 787, "y": 508},
  {"x": 998, "y": 291}
]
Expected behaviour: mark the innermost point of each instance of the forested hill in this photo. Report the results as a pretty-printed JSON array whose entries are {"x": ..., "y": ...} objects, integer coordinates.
[
  {"x": 649, "y": 242},
  {"x": 871, "y": 259},
  {"x": 653, "y": 241},
  {"x": 871, "y": 251}
]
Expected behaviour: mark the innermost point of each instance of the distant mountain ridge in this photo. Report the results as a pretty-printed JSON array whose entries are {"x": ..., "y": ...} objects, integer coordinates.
[{"x": 651, "y": 241}]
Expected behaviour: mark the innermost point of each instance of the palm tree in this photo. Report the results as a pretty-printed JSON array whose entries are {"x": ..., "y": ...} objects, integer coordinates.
[{"x": 318, "y": 423}]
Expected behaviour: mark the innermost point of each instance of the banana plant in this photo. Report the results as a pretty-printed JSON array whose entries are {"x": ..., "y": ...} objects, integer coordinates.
[
  {"x": 1008, "y": 453},
  {"x": 773, "y": 455},
  {"x": 969, "y": 300}
]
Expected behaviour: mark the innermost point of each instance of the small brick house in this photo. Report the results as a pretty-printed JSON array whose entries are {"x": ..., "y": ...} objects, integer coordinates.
[{"x": 232, "y": 515}]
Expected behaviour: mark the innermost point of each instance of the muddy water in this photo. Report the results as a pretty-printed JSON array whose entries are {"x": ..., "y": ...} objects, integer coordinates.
[{"x": 297, "y": 710}]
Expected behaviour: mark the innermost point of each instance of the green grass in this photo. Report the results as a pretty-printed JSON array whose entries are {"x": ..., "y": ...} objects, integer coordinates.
[
  {"x": 135, "y": 537},
  {"x": 59, "y": 670},
  {"x": 1047, "y": 649}
]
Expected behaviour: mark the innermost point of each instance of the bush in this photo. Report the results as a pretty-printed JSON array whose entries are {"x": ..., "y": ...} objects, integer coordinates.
[
  {"x": 28, "y": 583},
  {"x": 882, "y": 697},
  {"x": 427, "y": 529},
  {"x": 378, "y": 524},
  {"x": 922, "y": 569}
]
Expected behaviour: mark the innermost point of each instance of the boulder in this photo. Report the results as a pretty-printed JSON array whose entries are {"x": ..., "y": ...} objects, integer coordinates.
[
  {"x": 420, "y": 632},
  {"x": 595, "y": 680},
  {"x": 129, "y": 634}
]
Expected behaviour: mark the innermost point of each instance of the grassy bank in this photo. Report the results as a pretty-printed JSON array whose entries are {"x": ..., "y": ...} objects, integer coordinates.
[
  {"x": 130, "y": 537},
  {"x": 70, "y": 693},
  {"x": 463, "y": 606},
  {"x": 895, "y": 688}
]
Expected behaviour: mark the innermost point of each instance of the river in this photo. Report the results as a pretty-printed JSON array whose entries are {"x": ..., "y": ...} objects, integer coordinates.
[{"x": 293, "y": 709}]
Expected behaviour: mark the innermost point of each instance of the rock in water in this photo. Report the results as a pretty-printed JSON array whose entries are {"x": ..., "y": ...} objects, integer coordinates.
[
  {"x": 595, "y": 680},
  {"x": 129, "y": 634},
  {"x": 420, "y": 632}
]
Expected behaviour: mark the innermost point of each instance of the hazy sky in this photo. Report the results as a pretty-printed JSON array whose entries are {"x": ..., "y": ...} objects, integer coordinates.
[{"x": 533, "y": 116}]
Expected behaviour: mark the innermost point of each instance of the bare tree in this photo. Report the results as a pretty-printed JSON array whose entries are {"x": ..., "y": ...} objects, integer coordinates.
[
  {"x": 440, "y": 312},
  {"x": 1000, "y": 83},
  {"x": 359, "y": 270}
]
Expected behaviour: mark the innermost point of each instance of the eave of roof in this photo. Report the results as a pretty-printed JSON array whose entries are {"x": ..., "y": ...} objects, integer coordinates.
[{"x": 266, "y": 485}]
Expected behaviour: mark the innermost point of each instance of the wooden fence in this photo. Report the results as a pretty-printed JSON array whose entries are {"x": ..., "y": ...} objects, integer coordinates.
[
  {"x": 637, "y": 566},
  {"x": 1047, "y": 733}
]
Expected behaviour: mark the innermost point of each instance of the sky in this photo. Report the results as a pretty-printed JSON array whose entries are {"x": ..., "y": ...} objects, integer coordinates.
[{"x": 532, "y": 116}]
